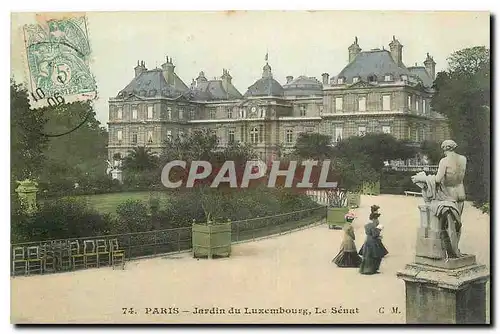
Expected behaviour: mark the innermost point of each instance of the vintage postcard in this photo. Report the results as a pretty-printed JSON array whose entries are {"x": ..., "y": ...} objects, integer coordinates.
[{"x": 250, "y": 167}]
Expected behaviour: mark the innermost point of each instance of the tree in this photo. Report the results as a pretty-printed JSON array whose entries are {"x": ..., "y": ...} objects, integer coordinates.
[
  {"x": 432, "y": 150},
  {"x": 462, "y": 94},
  {"x": 313, "y": 146},
  {"x": 140, "y": 159},
  {"x": 27, "y": 141},
  {"x": 77, "y": 156},
  {"x": 374, "y": 148}
]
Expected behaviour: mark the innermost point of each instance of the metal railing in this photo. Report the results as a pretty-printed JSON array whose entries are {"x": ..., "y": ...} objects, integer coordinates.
[{"x": 157, "y": 242}]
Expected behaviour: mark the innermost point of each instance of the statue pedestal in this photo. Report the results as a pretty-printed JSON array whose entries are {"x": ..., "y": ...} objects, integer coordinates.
[
  {"x": 440, "y": 291},
  {"x": 436, "y": 295}
]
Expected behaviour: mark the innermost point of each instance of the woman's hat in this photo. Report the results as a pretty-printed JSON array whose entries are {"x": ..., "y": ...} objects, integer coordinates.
[
  {"x": 350, "y": 216},
  {"x": 375, "y": 208}
]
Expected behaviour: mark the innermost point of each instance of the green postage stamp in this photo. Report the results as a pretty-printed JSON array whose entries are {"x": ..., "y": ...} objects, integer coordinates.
[{"x": 57, "y": 60}]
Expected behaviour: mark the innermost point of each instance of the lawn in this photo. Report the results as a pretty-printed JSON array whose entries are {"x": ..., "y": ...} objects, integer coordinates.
[{"x": 107, "y": 203}]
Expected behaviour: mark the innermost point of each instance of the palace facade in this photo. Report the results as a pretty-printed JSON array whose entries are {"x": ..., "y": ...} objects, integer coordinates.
[{"x": 375, "y": 92}]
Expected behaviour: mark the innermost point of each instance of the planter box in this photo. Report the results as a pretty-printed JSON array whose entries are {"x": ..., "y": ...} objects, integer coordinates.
[
  {"x": 371, "y": 188},
  {"x": 211, "y": 240},
  {"x": 353, "y": 200},
  {"x": 335, "y": 217}
]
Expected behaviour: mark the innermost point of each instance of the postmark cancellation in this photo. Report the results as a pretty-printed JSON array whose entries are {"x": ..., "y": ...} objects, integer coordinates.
[{"x": 57, "y": 60}]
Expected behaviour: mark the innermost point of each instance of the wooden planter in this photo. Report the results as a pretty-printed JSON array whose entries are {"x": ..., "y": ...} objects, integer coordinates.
[
  {"x": 211, "y": 240},
  {"x": 371, "y": 188},
  {"x": 335, "y": 217},
  {"x": 353, "y": 200}
]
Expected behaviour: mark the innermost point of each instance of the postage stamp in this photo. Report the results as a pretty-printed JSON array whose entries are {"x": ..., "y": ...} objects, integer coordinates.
[{"x": 57, "y": 65}]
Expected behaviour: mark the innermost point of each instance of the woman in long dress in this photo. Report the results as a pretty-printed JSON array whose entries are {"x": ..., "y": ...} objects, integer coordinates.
[
  {"x": 348, "y": 256},
  {"x": 372, "y": 250}
]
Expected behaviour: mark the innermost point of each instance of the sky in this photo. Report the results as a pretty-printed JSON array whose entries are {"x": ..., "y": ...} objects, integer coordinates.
[{"x": 298, "y": 42}]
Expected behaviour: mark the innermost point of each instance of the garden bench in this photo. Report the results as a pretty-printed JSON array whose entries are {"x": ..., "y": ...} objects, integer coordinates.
[{"x": 414, "y": 193}]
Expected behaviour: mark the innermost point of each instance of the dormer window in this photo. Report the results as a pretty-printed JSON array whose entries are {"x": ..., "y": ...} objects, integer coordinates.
[
  {"x": 404, "y": 77},
  {"x": 372, "y": 78},
  {"x": 340, "y": 81},
  {"x": 388, "y": 77},
  {"x": 355, "y": 79}
]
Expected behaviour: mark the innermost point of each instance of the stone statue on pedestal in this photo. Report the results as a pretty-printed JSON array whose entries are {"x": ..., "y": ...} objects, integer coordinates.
[
  {"x": 443, "y": 285},
  {"x": 27, "y": 190},
  {"x": 444, "y": 197}
]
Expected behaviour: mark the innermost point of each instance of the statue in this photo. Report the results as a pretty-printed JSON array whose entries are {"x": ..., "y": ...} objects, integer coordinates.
[
  {"x": 26, "y": 191},
  {"x": 444, "y": 197}
]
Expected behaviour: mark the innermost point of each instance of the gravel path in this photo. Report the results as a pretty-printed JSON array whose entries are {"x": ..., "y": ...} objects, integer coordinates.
[{"x": 273, "y": 277}]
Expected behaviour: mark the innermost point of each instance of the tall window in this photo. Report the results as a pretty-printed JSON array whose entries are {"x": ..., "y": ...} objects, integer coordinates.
[
  {"x": 211, "y": 114},
  {"x": 134, "y": 138},
  {"x": 424, "y": 107},
  {"x": 338, "y": 134},
  {"x": 150, "y": 112},
  {"x": 361, "y": 131},
  {"x": 362, "y": 103},
  {"x": 242, "y": 134},
  {"x": 150, "y": 137},
  {"x": 302, "y": 110},
  {"x": 261, "y": 133},
  {"x": 119, "y": 135},
  {"x": 192, "y": 114},
  {"x": 181, "y": 114},
  {"x": 386, "y": 102},
  {"x": 229, "y": 113},
  {"x": 386, "y": 129},
  {"x": 416, "y": 103},
  {"x": 254, "y": 135},
  {"x": 339, "y": 103},
  {"x": 134, "y": 113},
  {"x": 230, "y": 135},
  {"x": 409, "y": 102},
  {"x": 169, "y": 135},
  {"x": 262, "y": 112},
  {"x": 119, "y": 113},
  {"x": 289, "y": 136},
  {"x": 169, "y": 113},
  {"x": 417, "y": 134}
]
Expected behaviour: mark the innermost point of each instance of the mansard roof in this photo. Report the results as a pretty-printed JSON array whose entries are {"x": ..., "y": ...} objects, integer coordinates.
[{"x": 152, "y": 83}]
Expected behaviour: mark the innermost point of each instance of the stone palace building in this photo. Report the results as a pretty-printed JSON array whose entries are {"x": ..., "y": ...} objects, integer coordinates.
[{"x": 375, "y": 92}]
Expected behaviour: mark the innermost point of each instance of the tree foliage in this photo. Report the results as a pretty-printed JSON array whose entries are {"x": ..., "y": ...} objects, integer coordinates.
[
  {"x": 27, "y": 141},
  {"x": 463, "y": 96},
  {"x": 313, "y": 146}
]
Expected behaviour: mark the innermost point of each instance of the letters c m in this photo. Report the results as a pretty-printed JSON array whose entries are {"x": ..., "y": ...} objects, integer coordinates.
[{"x": 165, "y": 173}]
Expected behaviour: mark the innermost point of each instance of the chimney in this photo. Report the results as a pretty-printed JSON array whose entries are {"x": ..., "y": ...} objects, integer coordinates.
[
  {"x": 325, "y": 78},
  {"x": 168, "y": 71},
  {"x": 201, "y": 78},
  {"x": 226, "y": 80},
  {"x": 396, "y": 51},
  {"x": 354, "y": 50},
  {"x": 141, "y": 67},
  {"x": 430, "y": 66},
  {"x": 289, "y": 79}
]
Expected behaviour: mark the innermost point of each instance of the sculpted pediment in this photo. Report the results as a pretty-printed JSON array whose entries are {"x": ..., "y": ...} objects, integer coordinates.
[{"x": 360, "y": 84}]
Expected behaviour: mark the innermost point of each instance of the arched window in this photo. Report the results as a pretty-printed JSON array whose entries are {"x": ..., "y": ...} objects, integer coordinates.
[{"x": 254, "y": 135}]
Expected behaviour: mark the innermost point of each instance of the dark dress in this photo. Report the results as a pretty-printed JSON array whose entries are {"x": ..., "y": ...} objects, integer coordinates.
[
  {"x": 348, "y": 256},
  {"x": 372, "y": 250}
]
